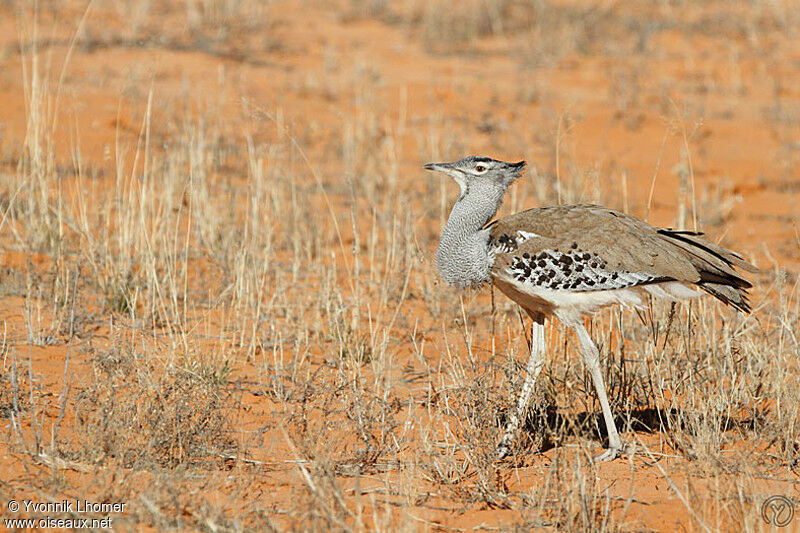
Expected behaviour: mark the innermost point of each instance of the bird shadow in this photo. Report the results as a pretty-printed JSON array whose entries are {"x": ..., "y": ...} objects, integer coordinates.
[{"x": 549, "y": 427}]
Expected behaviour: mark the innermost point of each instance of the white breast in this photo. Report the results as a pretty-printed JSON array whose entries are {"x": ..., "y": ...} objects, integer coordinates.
[{"x": 571, "y": 305}]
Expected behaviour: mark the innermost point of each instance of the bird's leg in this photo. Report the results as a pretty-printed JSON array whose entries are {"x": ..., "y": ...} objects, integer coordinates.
[
  {"x": 592, "y": 358},
  {"x": 535, "y": 364}
]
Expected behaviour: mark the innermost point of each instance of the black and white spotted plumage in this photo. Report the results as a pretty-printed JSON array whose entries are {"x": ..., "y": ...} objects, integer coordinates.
[
  {"x": 573, "y": 271},
  {"x": 506, "y": 244}
]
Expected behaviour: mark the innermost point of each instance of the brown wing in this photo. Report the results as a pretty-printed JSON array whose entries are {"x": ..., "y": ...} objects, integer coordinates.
[
  {"x": 590, "y": 235},
  {"x": 588, "y": 247}
]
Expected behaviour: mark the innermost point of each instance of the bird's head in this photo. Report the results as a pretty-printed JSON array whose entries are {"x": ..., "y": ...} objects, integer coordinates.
[{"x": 480, "y": 170}]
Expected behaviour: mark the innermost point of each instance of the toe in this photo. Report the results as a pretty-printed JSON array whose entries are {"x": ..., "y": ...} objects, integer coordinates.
[
  {"x": 502, "y": 451},
  {"x": 607, "y": 455}
]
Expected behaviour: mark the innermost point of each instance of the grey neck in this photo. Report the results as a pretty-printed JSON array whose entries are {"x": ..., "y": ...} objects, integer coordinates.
[{"x": 463, "y": 257}]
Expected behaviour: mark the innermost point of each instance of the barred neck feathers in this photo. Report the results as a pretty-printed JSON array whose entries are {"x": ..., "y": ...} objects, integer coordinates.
[{"x": 463, "y": 257}]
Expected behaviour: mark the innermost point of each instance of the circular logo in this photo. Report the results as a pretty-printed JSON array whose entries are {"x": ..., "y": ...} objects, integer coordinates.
[{"x": 777, "y": 511}]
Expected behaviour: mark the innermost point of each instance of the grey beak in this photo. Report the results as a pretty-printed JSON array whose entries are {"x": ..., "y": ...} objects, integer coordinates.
[
  {"x": 448, "y": 169},
  {"x": 438, "y": 167}
]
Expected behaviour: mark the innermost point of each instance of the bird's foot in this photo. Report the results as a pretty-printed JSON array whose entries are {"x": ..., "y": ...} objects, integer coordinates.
[
  {"x": 608, "y": 455},
  {"x": 503, "y": 450}
]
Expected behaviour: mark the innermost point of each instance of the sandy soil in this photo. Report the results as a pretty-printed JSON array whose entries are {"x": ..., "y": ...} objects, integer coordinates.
[{"x": 697, "y": 106}]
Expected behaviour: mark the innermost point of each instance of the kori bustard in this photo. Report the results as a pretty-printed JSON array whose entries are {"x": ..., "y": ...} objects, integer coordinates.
[{"x": 569, "y": 261}]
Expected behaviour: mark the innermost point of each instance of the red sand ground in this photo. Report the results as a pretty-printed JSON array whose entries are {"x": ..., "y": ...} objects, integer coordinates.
[{"x": 718, "y": 97}]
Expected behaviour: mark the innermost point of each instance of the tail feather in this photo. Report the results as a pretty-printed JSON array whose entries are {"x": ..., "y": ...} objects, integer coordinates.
[
  {"x": 728, "y": 256},
  {"x": 715, "y": 265},
  {"x": 728, "y": 295},
  {"x": 724, "y": 279}
]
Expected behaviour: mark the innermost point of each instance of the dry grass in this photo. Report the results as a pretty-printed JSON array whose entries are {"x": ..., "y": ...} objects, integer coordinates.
[{"x": 264, "y": 339}]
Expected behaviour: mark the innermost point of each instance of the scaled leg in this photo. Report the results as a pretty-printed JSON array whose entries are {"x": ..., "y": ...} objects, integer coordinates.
[
  {"x": 592, "y": 358},
  {"x": 535, "y": 364}
]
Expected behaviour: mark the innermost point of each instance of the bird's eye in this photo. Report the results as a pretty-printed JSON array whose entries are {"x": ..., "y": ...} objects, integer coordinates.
[{"x": 480, "y": 168}]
